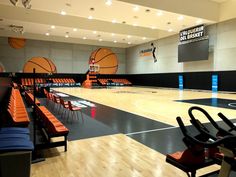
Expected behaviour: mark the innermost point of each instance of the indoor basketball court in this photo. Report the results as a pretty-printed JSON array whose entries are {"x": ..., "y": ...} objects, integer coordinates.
[{"x": 117, "y": 88}]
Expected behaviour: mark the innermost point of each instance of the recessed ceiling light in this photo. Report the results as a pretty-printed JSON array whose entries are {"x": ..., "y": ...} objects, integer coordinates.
[
  {"x": 100, "y": 40},
  {"x": 108, "y": 2},
  {"x": 159, "y": 13},
  {"x": 53, "y": 27},
  {"x": 124, "y": 22},
  {"x": 63, "y": 12},
  {"x": 91, "y": 9},
  {"x": 113, "y": 21},
  {"x": 181, "y": 17},
  {"x": 144, "y": 38},
  {"x": 66, "y": 35},
  {"x": 68, "y": 4},
  {"x": 129, "y": 43},
  {"x": 84, "y": 38},
  {"x": 90, "y": 17},
  {"x": 128, "y": 36},
  {"x": 94, "y": 32},
  {"x": 75, "y": 29},
  {"x": 170, "y": 30},
  {"x": 112, "y": 34},
  {"x": 115, "y": 41},
  {"x": 153, "y": 27},
  {"x": 135, "y": 24},
  {"x": 199, "y": 21},
  {"x": 47, "y": 34},
  {"x": 136, "y": 8},
  {"x": 147, "y": 10}
]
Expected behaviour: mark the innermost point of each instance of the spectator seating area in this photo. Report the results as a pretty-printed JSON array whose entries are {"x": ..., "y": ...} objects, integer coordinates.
[
  {"x": 16, "y": 109},
  {"x": 52, "y": 127},
  {"x": 108, "y": 81},
  {"x": 30, "y": 81}
]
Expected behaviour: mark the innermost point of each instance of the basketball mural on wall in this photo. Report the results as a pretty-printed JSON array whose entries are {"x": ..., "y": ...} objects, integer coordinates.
[
  {"x": 41, "y": 65},
  {"x": 16, "y": 43},
  {"x": 106, "y": 59},
  {"x": 2, "y": 69}
]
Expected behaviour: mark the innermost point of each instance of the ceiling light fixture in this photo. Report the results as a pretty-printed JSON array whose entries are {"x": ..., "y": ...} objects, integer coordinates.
[
  {"x": 63, "y": 12},
  {"x": 66, "y": 35},
  {"x": 14, "y": 2},
  {"x": 136, "y": 8},
  {"x": 170, "y": 30},
  {"x": 113, "y": 21},
  {"x": 180, "y": 17},
  {"x": 94, "y": 32},
  {"x": 16, "y": 28},
  {"x": 90, "y": 17},
  {"x": 128, "y": 36},
  {"x": 159, "y": 13},
  {"x": 144, "y": 38},
  {"x": 47, "y": 34},
  {"x": 84, "y": 38},
  {"x": 153, "y": 27},
  {"x": 112, "y": 34},
  {"x": 115, "y": 41},
  {"x": 129, "y": 43},
  {"x": 53, "y": 27},
  {"x": 199, "y": 21},
  {"x": 135, "y": 24},
  {"x": 108, "y": 2},
  {"x": 25, "y": 3},
  {"x": 75, "y": 29},
  {"x": 100, "y": 40}
]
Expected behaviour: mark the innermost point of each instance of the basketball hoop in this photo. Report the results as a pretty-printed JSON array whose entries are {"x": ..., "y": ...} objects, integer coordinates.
[{"x": 94, "y": 68}]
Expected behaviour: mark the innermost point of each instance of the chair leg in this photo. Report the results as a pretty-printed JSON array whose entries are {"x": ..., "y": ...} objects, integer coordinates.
[{"x": 82, "y": 116}]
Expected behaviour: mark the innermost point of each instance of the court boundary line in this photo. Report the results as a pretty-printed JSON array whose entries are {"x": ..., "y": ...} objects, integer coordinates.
[{"x": 153, "y": 130}]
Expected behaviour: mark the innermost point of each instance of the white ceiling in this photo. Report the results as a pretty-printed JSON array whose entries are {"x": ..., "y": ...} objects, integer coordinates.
[
  {"x": 220, "y": 1},
  {"x": 131, "y": 26}
]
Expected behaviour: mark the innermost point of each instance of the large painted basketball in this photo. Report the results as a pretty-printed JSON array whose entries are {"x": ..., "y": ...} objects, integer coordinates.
[
  {"x": 2, "y": 69},
  {"x": 16, "y": 43},
  {"x": 106, "y": 59},
  {"x": 41, "y": 65}
]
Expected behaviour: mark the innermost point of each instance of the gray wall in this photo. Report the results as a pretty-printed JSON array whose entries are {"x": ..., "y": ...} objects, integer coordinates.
[
  {"x": 222, "y": 53},
  {"x": 69, "y": 58}
]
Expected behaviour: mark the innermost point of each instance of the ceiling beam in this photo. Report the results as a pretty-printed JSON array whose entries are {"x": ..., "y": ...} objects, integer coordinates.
[
  {"x": 48, "y": 18},
  {"x": 204, "y": 9},
  {"x": 63, "y": 39}
]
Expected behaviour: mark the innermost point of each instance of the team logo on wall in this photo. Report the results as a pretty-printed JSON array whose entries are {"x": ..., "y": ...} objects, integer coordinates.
[
  {"x": 149, "y": 52},
  {"x": 41, "y": 65},
  {"x": 192, "y": 33},
  {"x": 106, "y": 59}
]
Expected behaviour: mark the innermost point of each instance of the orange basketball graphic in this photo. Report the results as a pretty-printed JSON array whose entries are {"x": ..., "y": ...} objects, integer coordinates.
[
  {"x": 2, "y": 69},
  {"x": 41, "y": 65},
  {"x": 16, "y": 43},
  {"x": 106, "y": 59}
]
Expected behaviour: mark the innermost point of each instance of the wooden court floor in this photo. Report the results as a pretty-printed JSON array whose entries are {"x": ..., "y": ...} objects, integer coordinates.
[{"x": 119, "y": 155}]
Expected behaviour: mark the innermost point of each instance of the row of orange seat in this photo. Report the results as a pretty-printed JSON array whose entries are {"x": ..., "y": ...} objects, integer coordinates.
[
  {"x": 17, "y": 110},
  {"x": 30, "y": 81},
  {"x": 52, "y": 126},
  {"x": 30, "y": 98},
  {"x": 65, "y": 105},
  {"x": 122, "y": 81},
  {"x": 63, "y": 80}
]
